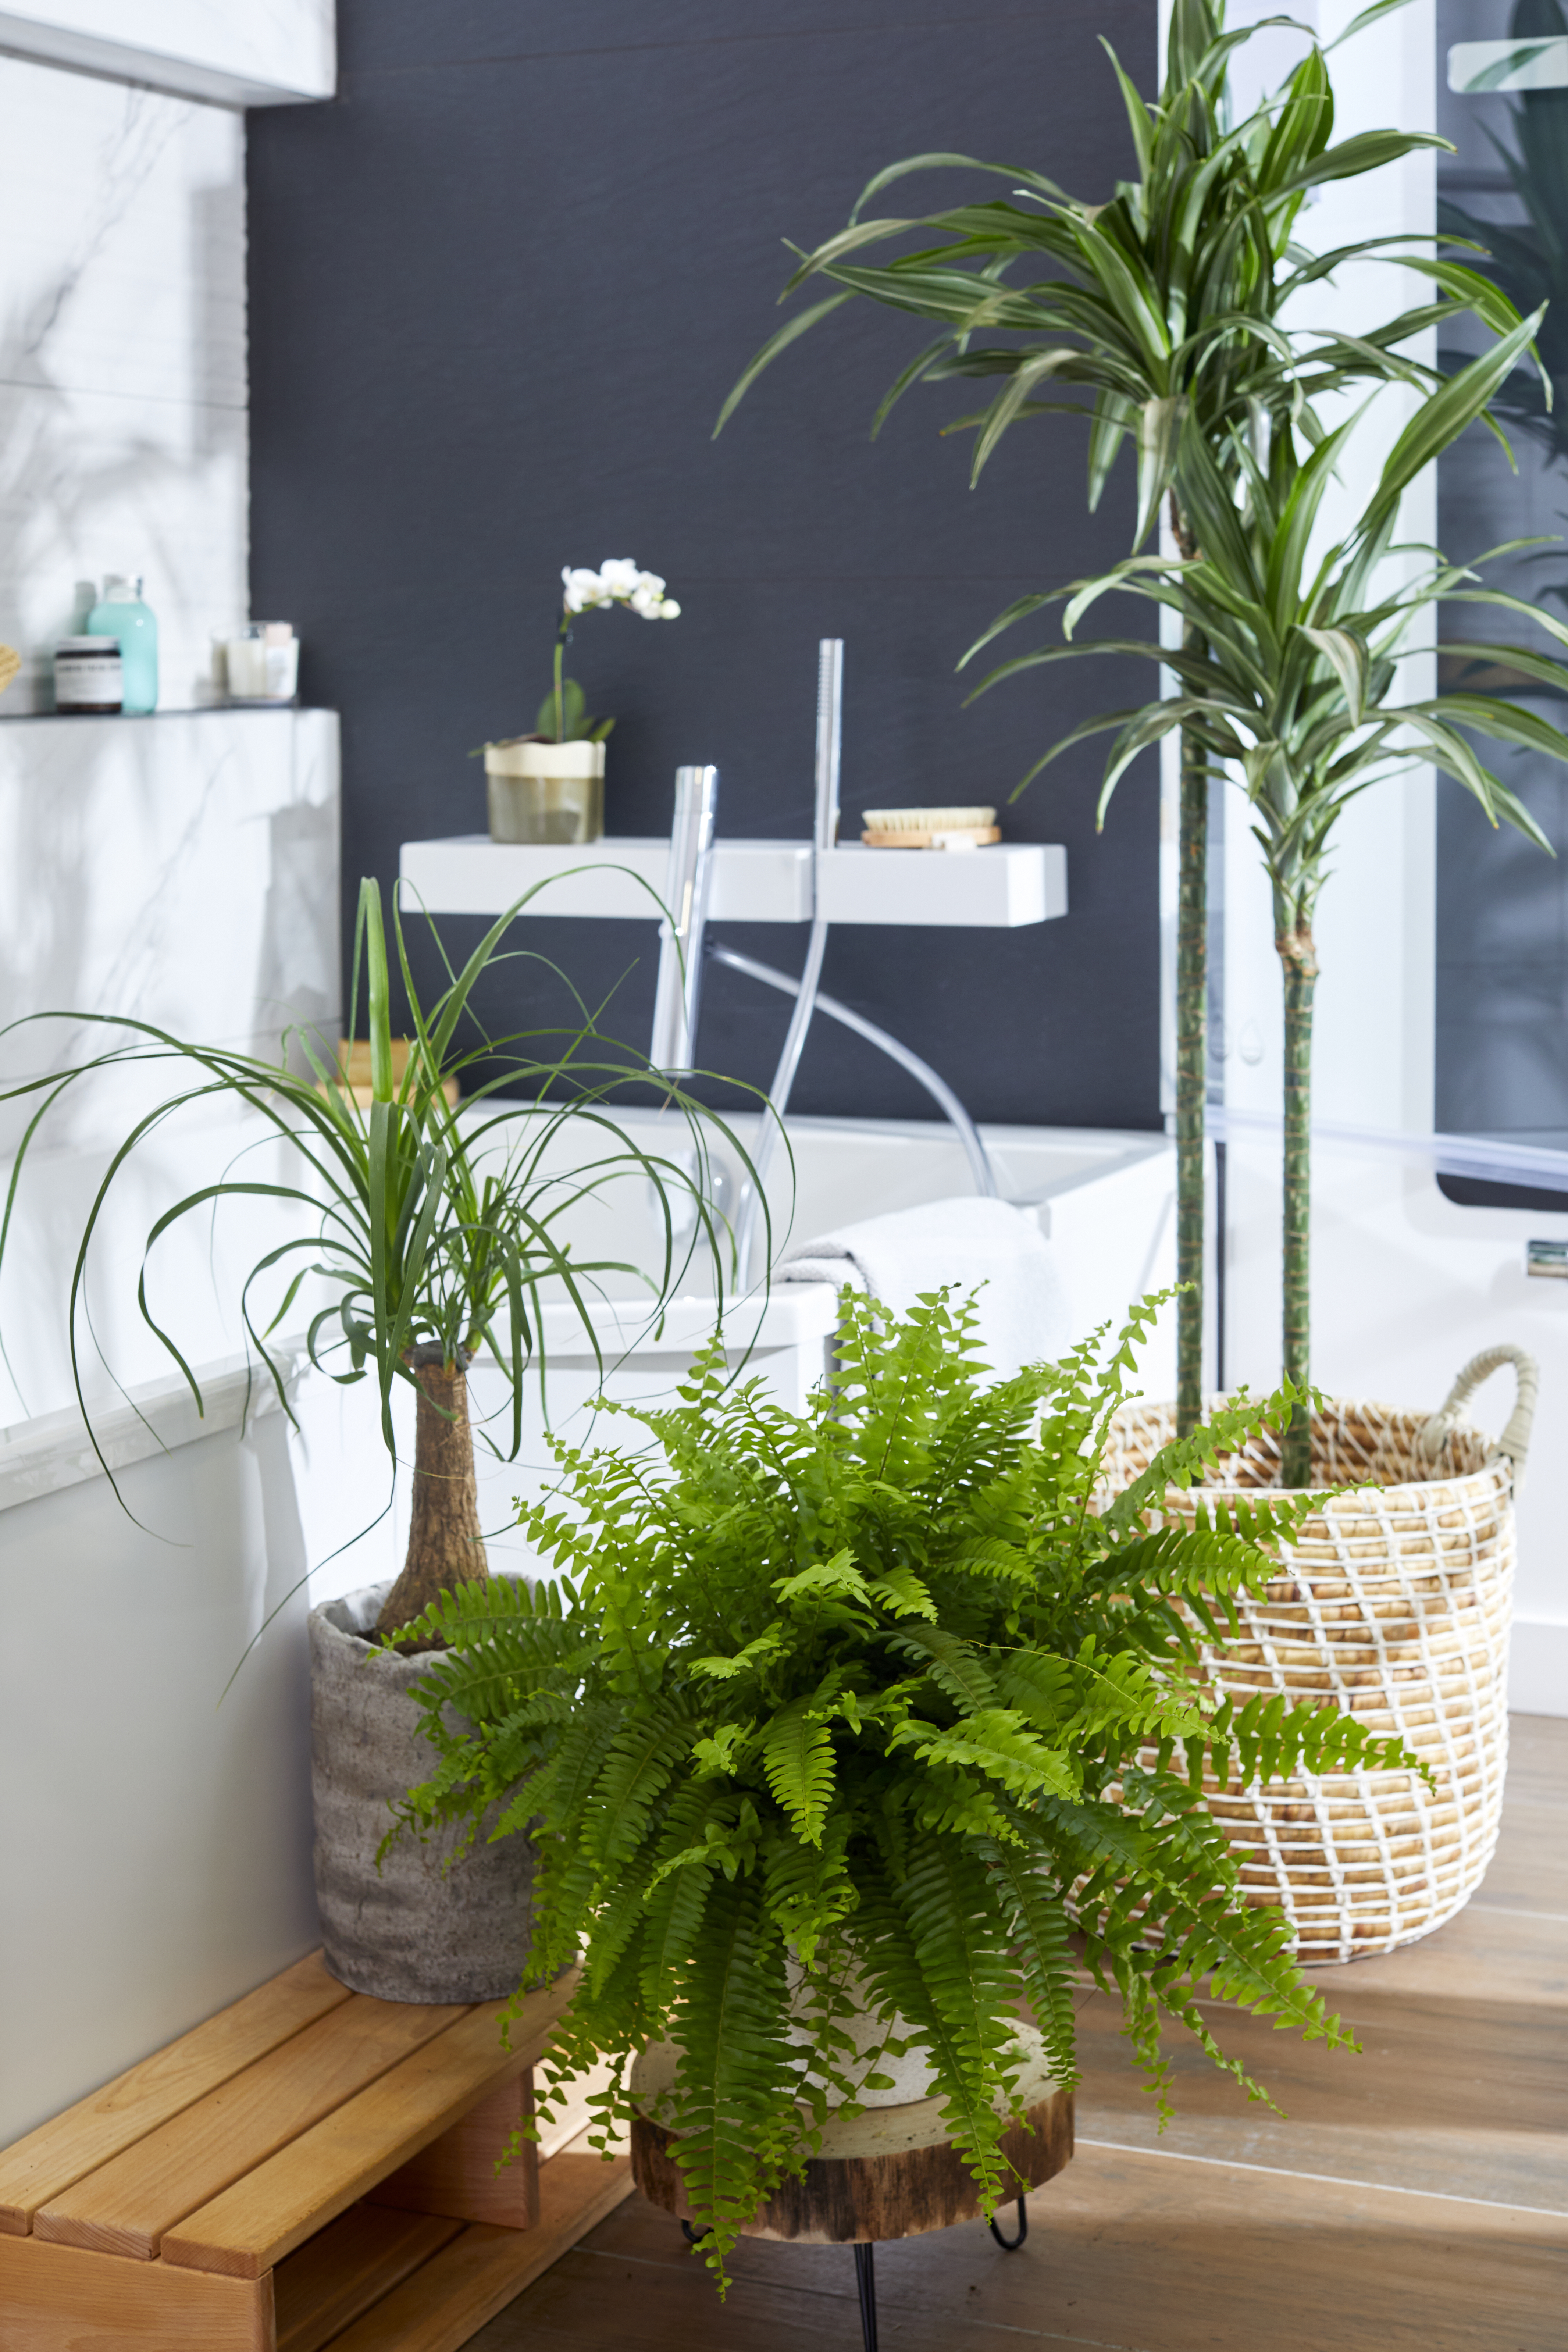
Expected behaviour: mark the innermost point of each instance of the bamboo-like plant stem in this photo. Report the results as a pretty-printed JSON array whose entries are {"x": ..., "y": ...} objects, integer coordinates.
[
  {"x": 1192, "y": 1046},
  {"x": 1298, "y": 959},
  {"x": 444, "y": 1546}
]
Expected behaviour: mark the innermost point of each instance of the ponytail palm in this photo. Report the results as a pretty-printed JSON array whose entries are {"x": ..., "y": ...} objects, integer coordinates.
[
  {"x": 425, "y": 1233},
  {"x": 1296, "y": 696},
  {"x": 1164, "y": 313}
]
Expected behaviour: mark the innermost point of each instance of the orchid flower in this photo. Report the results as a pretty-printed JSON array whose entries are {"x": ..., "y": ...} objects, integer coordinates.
[{"x": 618, "y": 580}]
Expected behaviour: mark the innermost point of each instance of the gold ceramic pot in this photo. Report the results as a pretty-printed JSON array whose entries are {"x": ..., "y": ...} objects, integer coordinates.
[{"x": 540, "y": 791}]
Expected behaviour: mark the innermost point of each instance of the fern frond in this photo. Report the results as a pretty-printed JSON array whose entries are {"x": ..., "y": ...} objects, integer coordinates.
[
  {"x": 736, "y": 2130},
  {"x": 998, "y": 1742},
  {"x": 953, "y": 1665},
  {"x": 797, "y": 1759}
]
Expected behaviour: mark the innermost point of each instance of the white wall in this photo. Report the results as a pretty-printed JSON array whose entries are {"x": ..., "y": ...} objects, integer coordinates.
[{"x": 123, "y": 367}]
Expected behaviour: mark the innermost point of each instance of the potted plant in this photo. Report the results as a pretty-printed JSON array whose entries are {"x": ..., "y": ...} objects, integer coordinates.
[
  {"x": 839, "y": 1727},
  {"x": 427, "y": 1234},
  {"x": 549, "y": 785},
  {"x": 1165, "y": 310},
  {"x": 1297, "y": 698}
]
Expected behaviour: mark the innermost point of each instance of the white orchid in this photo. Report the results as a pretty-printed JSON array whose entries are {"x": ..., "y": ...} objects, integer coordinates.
[
  {"x": 584, "y": 589},
  {"x": 620, "y": 576},
  {"x": 618, "y": 580}
]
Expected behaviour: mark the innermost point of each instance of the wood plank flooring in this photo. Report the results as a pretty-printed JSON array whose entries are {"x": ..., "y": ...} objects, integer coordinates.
[{"x": 1416, "y": 2199}]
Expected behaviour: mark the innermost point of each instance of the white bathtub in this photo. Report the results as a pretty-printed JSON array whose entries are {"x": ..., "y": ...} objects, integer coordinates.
[
  {"x": 1105, "y": 1201},
  {"x": 158, "y": 1856}
]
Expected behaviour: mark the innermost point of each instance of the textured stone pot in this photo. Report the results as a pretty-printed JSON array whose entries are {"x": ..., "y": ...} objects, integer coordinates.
[
  {"x": 412, "y": 1930},
  {"x": 544, "y": 792}
]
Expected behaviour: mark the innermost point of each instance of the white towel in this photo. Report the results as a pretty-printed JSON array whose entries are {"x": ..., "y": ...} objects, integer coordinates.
[{"x": 1022, "y": 1308}]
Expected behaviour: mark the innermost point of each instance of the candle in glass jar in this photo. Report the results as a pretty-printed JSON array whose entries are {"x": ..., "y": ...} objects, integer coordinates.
[{"x": 262, "y": 663}]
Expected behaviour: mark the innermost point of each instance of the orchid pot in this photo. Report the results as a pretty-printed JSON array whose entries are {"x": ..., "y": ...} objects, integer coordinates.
[{"x": 541, "y": 790}]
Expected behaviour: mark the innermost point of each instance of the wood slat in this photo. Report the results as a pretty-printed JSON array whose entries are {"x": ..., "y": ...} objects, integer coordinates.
[
  {"x": 1475, "y": 2107},
  {"x": 347, "y": 2267},
  {"x": 127, "y": 2205},
  {"x": 1484, "y": 1959},
  {"x": 60, "y": 2299},
  {"x": 1143, "y": 2253},
  {"x": 1529, "y": 1871},
  {"x": 457, "y": 2173},
  {"x": 480, "y": 2271},
  {"x": 36, "y": 2169},
  {"x": 262, "y": 2218}
]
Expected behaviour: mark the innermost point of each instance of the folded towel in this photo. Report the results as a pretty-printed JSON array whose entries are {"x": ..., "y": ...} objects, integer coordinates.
[{"x": 1023, "y": 1309}]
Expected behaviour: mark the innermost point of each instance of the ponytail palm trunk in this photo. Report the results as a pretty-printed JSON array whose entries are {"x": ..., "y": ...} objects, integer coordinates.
[{"x": 446, "y": 1547}]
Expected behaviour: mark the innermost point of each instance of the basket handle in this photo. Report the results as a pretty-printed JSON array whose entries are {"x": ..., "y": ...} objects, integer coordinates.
[{"x": 1514, "y": 1443}]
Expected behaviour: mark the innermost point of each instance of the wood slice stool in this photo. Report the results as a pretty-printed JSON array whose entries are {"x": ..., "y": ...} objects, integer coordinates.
[{"x": 893, "y": 2172}]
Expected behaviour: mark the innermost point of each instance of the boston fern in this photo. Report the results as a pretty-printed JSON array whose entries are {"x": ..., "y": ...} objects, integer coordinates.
[{"x": 883, "y": 1699}]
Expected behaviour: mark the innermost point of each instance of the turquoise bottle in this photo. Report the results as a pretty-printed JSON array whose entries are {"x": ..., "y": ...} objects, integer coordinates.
[{"x": 120, "y": 613}]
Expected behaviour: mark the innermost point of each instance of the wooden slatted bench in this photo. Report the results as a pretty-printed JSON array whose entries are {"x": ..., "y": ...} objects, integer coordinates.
[{"x": 308, "y": 2168}]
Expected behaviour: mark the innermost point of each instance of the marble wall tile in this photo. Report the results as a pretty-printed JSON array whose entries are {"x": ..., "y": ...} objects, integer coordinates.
[
  {"x": 181, "y": 871},
  {"x": 123, "y": 429}
]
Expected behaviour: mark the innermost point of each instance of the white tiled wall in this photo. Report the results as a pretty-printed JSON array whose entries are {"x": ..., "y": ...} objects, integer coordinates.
[{"x": 122, "y": 366}]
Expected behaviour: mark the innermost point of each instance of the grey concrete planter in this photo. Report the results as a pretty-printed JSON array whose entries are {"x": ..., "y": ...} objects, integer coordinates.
[{"x": 412, "y": 1930}]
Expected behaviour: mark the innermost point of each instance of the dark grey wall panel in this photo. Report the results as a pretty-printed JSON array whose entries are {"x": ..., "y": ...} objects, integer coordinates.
[{"x": 499, "y": 289}]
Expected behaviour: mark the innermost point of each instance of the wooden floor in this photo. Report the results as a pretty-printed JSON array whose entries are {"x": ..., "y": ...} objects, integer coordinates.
[{"x": 1416, "y": 2200}]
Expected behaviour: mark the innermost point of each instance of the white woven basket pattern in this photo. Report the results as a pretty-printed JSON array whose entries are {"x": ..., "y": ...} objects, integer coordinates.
[{"x": 1394, "y": 1604}]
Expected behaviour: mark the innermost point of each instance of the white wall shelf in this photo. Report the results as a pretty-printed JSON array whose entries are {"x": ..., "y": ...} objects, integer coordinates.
[
  {"x": 283, "y": 53},
  {"x": 1001, "y": 888}
]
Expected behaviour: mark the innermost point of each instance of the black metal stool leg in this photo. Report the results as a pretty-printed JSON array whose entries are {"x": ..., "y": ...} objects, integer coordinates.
[
  {"x": 865, "y": 2280},
  {"x": 1010, "y": 2245}
]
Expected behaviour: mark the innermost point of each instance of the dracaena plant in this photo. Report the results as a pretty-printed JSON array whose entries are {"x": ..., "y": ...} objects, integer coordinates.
[
  {"x": 426, "y": 1231},
  {"x": 1168, "y": 303},
  {"x": 1297, "y": 695},
  {"x": 881, "y": 1702}
]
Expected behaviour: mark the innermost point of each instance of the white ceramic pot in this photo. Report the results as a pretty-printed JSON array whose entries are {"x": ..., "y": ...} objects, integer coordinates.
[{"x": 544, "y": 792}]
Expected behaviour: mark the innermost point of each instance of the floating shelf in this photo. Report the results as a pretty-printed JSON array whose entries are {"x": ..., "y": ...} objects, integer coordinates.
[{"x": 1000, "y": 888}]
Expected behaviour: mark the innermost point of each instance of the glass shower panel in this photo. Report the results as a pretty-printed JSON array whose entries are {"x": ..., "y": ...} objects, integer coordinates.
[{"x": 1501, "y": 1064}]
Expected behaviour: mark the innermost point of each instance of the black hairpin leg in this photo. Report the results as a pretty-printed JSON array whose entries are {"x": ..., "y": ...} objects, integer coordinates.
[
  {"x": 865, "y": 2280},
  {"x": 692, "y": 2236},
  {"x": 1010, "y": 2245}
]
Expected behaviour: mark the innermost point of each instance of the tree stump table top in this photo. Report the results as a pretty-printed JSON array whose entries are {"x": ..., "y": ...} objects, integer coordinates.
[
  {"x": 893, "y": 2172},
  {"x": 310, "y": 2167}
]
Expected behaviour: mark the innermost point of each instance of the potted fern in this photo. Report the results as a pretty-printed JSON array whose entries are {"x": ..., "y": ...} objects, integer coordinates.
[
  {"x": 852, "y": 1717},
  {"x": 426, "y": 1232}
]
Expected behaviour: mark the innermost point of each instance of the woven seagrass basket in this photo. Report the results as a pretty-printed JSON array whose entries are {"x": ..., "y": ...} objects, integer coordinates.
[{"x": 1393, "y": 1604}]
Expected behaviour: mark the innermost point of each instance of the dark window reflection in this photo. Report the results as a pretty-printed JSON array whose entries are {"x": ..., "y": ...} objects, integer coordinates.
[{"x": 1502, "y": 906}]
